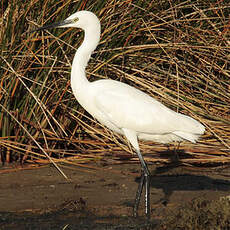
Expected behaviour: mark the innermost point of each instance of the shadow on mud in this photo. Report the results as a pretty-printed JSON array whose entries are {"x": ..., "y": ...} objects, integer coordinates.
[
  {"x": 187, "y": 182},
  {"x": 65, "y": 219}
]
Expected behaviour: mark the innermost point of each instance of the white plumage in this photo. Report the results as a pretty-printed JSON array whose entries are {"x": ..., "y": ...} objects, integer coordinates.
[{"x": 120, "y": 107}]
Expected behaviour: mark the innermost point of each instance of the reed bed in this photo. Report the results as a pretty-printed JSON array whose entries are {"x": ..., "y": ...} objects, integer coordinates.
[{"x": 176, "y": 51}]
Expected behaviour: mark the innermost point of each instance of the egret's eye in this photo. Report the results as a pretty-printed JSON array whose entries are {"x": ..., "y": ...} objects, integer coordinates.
[{"x": 75, "y": 19}]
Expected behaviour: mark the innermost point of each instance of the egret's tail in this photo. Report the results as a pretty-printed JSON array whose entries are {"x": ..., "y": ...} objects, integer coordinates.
[
  {"x": 189, "y": 129},
  {"x": 188, "y": 136}
]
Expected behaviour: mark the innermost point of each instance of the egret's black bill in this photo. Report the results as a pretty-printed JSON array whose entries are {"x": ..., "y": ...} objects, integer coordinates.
[{"x": 54, "y": 25}]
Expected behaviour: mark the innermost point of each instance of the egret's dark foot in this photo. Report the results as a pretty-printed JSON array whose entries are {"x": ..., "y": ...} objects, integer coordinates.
[
  {"x": 144, "y": 181},
  {"x": 147, "y": 196},
  {"x": 138, "y": 195}
]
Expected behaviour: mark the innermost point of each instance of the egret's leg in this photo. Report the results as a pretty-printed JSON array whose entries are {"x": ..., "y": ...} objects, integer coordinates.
[
  {"x": 145, "y": 177},
  {"x": 176, "y": 148},
  {"x": 147, "y": 196},
  {"x": 138, "y": 194},
  {"x": 143, "y": 164}
]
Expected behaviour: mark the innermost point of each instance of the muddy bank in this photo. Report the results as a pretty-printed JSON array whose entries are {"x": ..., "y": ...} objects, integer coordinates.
[{"x": 101, "y": 197}]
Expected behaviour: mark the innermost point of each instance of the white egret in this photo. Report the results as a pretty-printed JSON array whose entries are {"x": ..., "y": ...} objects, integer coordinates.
[{"x": 120, "y": 107}]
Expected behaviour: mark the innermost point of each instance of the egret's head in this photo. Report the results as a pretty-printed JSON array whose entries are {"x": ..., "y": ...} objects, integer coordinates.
[{"x": 81, "y": 19}]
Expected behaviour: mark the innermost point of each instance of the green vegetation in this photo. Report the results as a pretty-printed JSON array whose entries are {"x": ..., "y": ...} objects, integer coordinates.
[{"x": 176, "y": 51}]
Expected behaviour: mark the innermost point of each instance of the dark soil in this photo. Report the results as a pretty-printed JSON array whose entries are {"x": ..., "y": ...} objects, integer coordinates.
[{"x": 102, "y": 197}]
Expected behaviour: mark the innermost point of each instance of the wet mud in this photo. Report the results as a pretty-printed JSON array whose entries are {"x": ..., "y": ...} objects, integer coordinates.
[{"x": 99, "y": 196}]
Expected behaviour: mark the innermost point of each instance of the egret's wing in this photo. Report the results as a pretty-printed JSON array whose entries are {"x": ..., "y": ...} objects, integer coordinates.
[{"x": 127, "y": 107}]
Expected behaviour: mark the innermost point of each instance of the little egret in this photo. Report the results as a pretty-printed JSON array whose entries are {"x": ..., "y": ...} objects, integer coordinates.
[{"x": 122, "y": 108}]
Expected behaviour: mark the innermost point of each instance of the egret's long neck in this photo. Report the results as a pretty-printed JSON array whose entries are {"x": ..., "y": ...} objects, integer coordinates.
[{"x": 82, "y": 56}]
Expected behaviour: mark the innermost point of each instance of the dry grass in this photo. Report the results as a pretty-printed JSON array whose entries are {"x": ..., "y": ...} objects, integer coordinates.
[
  {"x": 176, "y": 51},
  {"x": 200, "y": 214}
]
